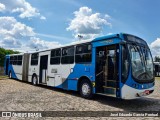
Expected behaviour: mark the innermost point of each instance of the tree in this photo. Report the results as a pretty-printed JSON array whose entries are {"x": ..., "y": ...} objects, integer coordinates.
[
  {"x": 157, "y": 59},
  {"x": 3, "y": 53}
]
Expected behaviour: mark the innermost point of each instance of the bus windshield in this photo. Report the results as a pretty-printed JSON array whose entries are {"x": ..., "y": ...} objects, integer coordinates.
[{"x": 141, "y": 62}]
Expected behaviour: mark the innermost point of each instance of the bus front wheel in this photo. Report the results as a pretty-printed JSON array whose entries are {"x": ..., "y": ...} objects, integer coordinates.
[
  {"x": 34, "y": 80},
  {"x": 86, "y": 89}
]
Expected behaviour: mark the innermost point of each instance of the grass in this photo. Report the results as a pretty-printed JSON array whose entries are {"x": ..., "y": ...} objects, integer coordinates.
[
  {"x": 157, "y": 78},
  {"x": 3, "y": 77}
]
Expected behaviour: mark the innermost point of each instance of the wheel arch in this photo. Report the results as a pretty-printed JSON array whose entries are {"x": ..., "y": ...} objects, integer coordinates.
[
  {"x": 34, "y": 74},
  {"x": 81, "y": 79}
]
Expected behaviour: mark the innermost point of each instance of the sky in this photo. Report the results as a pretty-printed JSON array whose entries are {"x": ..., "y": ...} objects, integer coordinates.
[{"x": 27, "y": 25}]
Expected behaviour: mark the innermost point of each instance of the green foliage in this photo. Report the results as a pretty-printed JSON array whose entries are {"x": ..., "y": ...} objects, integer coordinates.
[
  {"x": 4, "y": 52},
  {"x": 157, "y": 59}
]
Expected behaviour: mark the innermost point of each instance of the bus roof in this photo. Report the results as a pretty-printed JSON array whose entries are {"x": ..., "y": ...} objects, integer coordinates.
[
  {"x": 63, "y": 46},
  {"x": 15, "y": 54},
  {"x": 79, "y": 42},
  {"x": 106, "y": 37},
  {"x": 75, "y": 43}
]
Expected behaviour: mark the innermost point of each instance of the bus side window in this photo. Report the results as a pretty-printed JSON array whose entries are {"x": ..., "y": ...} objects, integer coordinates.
[
  {"x": 83, "y": 53},
  {"x": 55, "y": 56},
  {"x": 19, "y": 61},
  {"x": 11, "y": 60},
  {"x": 67, "y": 55},
  {"x": 34, "y": 59},
  {"x": 14, "y": 60}
]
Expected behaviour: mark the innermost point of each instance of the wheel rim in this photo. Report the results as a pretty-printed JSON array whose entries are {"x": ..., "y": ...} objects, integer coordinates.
[
  {"x": 34, "y": 80},
  {"x": 85, "y": 89}
]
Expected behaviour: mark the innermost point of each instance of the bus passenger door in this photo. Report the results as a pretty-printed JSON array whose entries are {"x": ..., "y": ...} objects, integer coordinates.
[
  {"x": 43, "y": 69},
  {"x": 107, "y": 58}
]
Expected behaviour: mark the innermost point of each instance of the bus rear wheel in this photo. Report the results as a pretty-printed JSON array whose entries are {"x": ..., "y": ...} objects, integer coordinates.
[
  {"x": 86, "y": 89},
  {"x": 34, "y": 80}
]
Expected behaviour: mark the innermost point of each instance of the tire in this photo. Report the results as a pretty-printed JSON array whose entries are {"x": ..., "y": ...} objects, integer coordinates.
[
  {"x": 10, "y": 75},
  {"x": 86, "y": 89},
  {"x": 34, "y": 80}
]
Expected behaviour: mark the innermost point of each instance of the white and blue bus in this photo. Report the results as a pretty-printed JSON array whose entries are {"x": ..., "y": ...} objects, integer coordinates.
[{"x": 118, "y": 65}]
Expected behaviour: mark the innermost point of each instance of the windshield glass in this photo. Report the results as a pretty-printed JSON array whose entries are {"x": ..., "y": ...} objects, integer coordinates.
[{"x": 141, "y": 62}]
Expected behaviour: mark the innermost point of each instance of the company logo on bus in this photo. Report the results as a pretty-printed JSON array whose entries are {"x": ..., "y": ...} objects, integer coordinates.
[{"x": 107, "y": 41}]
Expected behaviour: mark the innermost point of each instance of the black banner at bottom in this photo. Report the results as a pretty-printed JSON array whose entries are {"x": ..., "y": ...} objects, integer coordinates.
[{"x": 38, "y": 114}]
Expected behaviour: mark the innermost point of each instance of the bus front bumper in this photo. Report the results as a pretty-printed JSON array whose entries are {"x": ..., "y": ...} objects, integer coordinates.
[{"x": 128, "y": 92}]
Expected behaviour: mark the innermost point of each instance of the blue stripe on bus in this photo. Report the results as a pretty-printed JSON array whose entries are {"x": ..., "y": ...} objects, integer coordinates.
[
  {"x": 131, "y": 83},
  {"x": 105, "y": 37},
  {"x": 7, "y": 57},
  {"x": 12, "y": 70},
  {"x": 78, "y": 71},
  {"x": 107, "y": 42}
]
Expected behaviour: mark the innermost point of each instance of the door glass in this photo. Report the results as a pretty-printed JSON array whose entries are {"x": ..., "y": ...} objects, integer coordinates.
[
  {"x": 111, "y": 64},
  {"x": 107, "y": 63}
]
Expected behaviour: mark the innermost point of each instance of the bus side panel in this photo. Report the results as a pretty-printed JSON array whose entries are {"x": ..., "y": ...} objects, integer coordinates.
[
  {"x": 76, "y": 72},
  {"x": 83, "y": 69},
  {"x": 58, "y": 75},
  {"x": 11, "y": 69},
  {"x": 70, "y": 73},
  {"x": 33, "y": 69},
  {"x": 29, "y": 70},
  {"x": 25, "y": 67},
  {"x": 18, "y": 71},
  {"x": 72, "y": 84},
  {"x": 6, "y": 65},
  {"x": 80, "y": 70},
  {"x": 15, "y": 70}
]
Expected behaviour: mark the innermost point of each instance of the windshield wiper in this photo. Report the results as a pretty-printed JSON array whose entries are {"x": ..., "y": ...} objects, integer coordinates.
[{"x": 144, "y": 75}]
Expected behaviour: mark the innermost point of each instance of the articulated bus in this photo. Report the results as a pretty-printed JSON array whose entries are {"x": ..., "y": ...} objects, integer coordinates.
[{"x": 118, "y": 65}]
